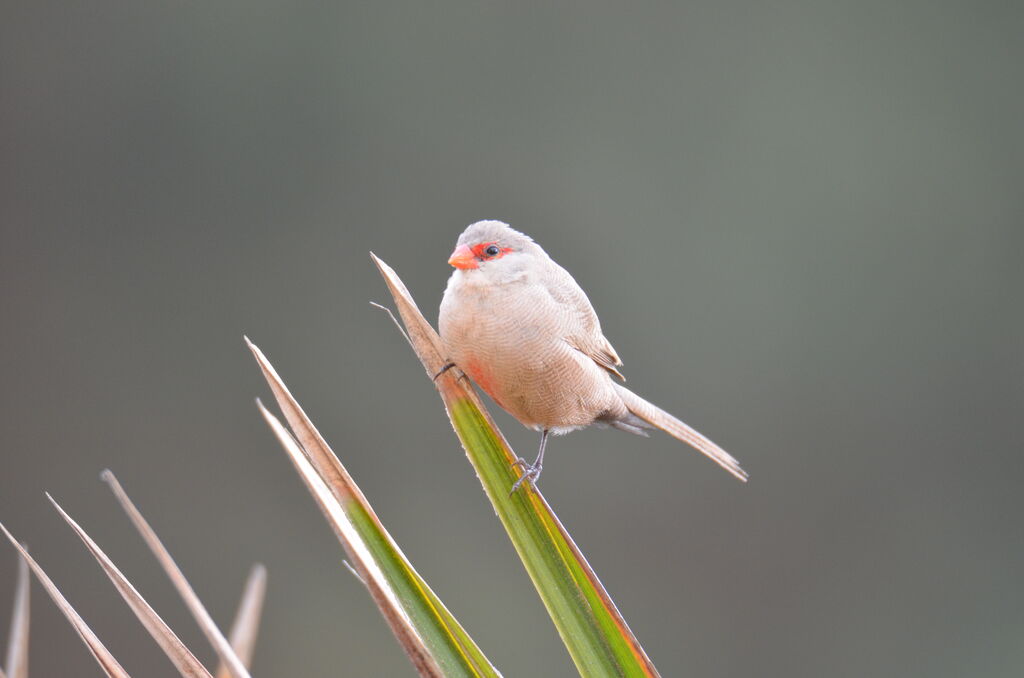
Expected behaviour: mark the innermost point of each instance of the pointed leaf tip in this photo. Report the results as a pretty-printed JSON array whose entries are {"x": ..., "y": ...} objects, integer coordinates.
[{"x": 247, "y": 619}]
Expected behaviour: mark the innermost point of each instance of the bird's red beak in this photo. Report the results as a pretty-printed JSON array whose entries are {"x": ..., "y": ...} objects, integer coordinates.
[{"x": 463, "y": 258}]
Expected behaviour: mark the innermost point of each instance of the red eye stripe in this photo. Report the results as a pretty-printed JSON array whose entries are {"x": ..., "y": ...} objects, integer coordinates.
[{"x": 480, "y": 251}]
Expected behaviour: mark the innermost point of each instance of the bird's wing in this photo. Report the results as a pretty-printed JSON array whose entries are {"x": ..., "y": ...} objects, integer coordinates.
[
  {"x": 581, "y": 325},
  {"x": 602, "y": 353}
]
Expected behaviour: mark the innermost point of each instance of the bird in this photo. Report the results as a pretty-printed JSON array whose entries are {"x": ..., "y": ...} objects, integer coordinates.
[{"x": 521, "y": 327}]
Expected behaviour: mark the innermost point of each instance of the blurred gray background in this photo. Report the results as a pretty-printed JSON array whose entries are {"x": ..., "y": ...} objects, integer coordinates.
[{"x": 801, "y": 224}]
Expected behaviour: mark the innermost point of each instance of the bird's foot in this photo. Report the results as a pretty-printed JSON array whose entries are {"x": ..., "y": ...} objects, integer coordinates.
[
  {"x": 444, "y": 369},
  {"x": 531, "y": 472}
]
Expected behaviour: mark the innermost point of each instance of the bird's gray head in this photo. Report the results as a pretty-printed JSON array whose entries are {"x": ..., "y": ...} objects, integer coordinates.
[
  {"x": 490, "y": 230},
  {"x": 495, "y": 250}
]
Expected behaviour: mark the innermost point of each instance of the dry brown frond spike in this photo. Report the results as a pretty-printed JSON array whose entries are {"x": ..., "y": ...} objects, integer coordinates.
[
  {"x": 17, "y": 639},
  {"x": 103, "y": 657},
  {"x": 247, "y": 619},
  {"x": 177, "y": 577},
  {"x": 183, "y": 659}
]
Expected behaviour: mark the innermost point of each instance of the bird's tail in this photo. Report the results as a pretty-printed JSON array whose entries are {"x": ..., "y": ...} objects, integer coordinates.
[{"x": 659, "y": 418}]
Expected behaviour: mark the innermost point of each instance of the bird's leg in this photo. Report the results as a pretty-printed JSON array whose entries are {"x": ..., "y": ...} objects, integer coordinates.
[{"x": 531, "y": 472}]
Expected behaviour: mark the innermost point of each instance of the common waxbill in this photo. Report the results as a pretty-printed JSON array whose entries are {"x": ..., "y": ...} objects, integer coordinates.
[{"x": 518, "y": 324}]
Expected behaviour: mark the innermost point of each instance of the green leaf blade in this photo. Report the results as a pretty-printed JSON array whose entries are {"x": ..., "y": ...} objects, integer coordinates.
[
  {"x": 433, "y": 639},
  {"x": 424, "y": 608},
  {"x": 593, "y": 631}
]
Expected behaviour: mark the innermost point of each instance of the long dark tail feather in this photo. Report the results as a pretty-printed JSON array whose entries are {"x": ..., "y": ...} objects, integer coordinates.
[{"x": 659, "y": 418}]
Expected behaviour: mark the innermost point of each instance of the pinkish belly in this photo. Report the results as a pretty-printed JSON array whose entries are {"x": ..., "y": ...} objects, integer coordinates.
[{"x": 483, "y": 377}]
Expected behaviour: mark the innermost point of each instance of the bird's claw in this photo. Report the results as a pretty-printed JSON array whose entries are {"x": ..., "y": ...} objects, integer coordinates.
[
  {"x": 444, "y": 369},
  {"x": 531, "y": 472}
]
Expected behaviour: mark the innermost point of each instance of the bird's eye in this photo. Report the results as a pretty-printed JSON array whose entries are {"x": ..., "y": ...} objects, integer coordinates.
[{"x": 492, "y": 250}]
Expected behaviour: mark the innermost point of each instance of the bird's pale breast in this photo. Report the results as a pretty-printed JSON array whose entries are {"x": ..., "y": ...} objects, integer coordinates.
[{"x": 511, "y": 340}]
